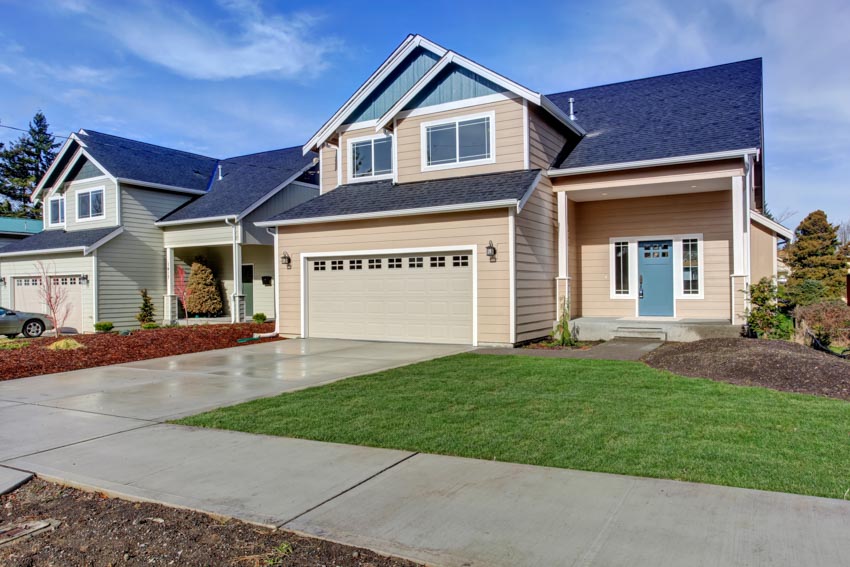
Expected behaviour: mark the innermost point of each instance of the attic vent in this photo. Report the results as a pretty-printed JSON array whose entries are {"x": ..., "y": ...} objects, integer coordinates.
[
  {"x": 572, "y": 113},
  {"x": 219, "y": 172}
]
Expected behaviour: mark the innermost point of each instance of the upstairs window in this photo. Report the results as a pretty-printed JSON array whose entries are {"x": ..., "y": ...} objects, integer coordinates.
[
  {"x": 56, "y": 211},
  {"x": 467, "y": 140},
  {"x": 371, "y": 157},
  {"x": 90, "y": 204}
]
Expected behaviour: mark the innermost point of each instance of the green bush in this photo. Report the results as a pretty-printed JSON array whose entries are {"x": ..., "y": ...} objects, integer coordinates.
[
  {"x": 104, "y": 326},
  {"x": 146, "y": 310},
  {"x": 259, "y": 317},
  {"x": 65, "y": 344},
  {"x": 13, "y": 345},
  {"x": 764, "y": 317},
  {"x": 805, "y": 292},
  {"x": 150, "y": 326}
]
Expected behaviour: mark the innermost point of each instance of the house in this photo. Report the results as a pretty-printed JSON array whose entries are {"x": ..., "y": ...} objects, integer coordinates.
[
  {"x": 459, "y": 206},
  {"x": 120, "y": 214},
  {"x": 13, "y": 229}
]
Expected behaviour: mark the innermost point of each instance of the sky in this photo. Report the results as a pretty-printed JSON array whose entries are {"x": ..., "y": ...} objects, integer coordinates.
[{"x": 231, "y": 77}]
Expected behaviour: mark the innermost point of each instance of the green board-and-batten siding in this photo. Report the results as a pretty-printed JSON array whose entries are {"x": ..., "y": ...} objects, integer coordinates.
[
  {"x": 393, "y": 87},
  {"x": 84, "y": 169},
  {"x": 452, "y": 84}
]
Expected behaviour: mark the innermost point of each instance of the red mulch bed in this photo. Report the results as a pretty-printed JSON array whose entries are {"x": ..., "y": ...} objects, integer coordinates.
[
  {"x": 110, "y": 348},
  {"x": 779, "y": 365}
]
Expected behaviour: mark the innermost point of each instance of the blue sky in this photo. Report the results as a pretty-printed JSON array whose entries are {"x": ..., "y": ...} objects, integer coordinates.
[{"x": 236, "y": 76}]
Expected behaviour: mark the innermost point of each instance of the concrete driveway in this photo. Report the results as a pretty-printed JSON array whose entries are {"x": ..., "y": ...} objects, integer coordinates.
[{"x": 47, "y": 412}]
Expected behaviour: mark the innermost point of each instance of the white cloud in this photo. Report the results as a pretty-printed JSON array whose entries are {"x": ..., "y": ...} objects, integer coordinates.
[{"x": 246, "y": 42}]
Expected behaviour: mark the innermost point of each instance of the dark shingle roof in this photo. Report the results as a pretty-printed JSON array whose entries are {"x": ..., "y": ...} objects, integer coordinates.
[
  {"x": 694, "y": 112},
  {"x": 139, "y": 161},
  {"x": 384, "y": 196},
  {"x": 54, "y": 239},
  {"x": 245, "y": 179}
]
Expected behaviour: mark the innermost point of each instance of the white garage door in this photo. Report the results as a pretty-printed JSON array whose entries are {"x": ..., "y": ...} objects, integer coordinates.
[
  {"x": 28, "y": 297},
  {"x": 417, "y": 298}
]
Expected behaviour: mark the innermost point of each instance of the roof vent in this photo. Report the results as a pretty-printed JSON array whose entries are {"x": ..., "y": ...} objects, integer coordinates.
[
  {"x": 219, "y": 172},
  {"x": 572, "y": 114}
]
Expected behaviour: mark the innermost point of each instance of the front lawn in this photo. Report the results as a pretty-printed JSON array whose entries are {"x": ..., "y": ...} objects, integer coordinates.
[{"x": 618, "y": 417}]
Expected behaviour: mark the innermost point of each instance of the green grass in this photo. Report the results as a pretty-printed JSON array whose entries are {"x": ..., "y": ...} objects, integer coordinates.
[{"x": 618, "y": 417}]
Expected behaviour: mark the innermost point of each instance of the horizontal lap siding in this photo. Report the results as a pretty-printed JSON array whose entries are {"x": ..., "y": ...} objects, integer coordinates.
[
  {"x": 328, "y": 174},
  {"x": 58, "y": 264},
  {"x": 135, "y": 259},
  {"x": 762, "y": 253},
  {"x": 706, "y": 213},
  {"x": 472, "y": 228},
  {"x": 204, "y": 234},
  {"x": 109, "y": 206},
  {"x": 262, "y": 257},
  {"x": 537, "y": 239},
  {"x": 509, "y": 142}
]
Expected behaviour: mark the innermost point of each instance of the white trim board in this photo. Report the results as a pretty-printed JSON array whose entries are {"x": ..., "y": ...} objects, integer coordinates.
[
  {"x": 554, "y": 172},
  {"x": 770, "y": 224},
  {"x": 471, "y": 248}
]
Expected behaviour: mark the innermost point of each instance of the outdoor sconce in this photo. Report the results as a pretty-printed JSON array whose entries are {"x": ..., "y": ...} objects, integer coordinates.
[
  {"x": 2, "y": 281},
  {"x": 491, "y": 251},
  {"x": 84, "y": 278},
  {"x": 286, "y": 260},
  {"x": 267, "y": 280}
]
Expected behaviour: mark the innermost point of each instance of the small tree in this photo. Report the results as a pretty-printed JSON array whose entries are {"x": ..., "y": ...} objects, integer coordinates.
[
  {"x": 54, "y": 296},
  {"x": 814, "y": 255},
  {"x": 146, "y": 311},
  {"x": 182, "y": 291},
  {"x": 204, "y": 298}
]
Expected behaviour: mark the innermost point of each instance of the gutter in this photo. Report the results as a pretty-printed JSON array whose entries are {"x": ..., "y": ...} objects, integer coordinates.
[
  {"x": 224, "y": 218},
  {"x": 86, "y": 250},
  {"x": 652, "y": 162}
]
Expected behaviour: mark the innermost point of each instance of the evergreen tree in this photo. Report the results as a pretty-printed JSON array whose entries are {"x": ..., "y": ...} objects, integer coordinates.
[
  {"x": 814, "y": 255},
  {"x": 146, "y": 311},
  {"x": 204, "y": 298},
  {"x": 24, "y": 163}
]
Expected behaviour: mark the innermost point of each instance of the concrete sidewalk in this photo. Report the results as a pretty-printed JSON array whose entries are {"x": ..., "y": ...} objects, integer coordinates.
[{"x": 451, "y": 511}]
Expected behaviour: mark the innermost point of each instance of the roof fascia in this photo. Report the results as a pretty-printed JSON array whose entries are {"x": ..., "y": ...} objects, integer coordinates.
[
  {"x": 89, "y": 249},
  {"x": 529, "y": 192},
  {"x": 221, "y": 218},
  {"x": 410, "y": 43},
  {"x": 652, "y": 162},
  {"x": 771, "y": 224},
  {"x": 43, "y": 251},
  {"x": 50, "y": 170},
  {"x": 161, "y": 186},
  {"x": 423, "y": 81}
]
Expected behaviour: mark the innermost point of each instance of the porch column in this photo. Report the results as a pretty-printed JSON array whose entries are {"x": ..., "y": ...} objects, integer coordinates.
[
  {"x": 169, "y": 312},
  {"x": 562, "y": 284},
  {"x": 739, "y": 277},
  {"x": 237, "y": 300}
]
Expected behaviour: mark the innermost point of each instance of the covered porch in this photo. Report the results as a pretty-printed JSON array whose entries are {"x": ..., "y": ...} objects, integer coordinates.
[{"x": 656, "y": 251}]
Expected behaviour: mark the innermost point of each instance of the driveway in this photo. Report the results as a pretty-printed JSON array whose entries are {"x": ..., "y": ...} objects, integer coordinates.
[{"x": 46, "y": 412}]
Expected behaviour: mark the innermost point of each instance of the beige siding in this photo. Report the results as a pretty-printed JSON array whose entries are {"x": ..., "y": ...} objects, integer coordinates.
[
  {"x": 573, "y": 260},
  {"x": 202, "y": 234},
  {"x": 706, "y": 213},
  {"x": 291, "y": 196},
  {"x": 762, "y": 253},
  {"x": 510, "y": 136},
  {"x": 109, "y": 206},
  {"x": 472, "y": 228},
  {"x": 134, "y": 259},
  {"x": 328, "y": 173},
  {"x": 59, "y": 264},
  {"x": 545, "y": 142}
]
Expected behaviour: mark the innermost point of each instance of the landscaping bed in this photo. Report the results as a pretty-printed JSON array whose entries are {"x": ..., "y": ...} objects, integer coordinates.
[
  {"x": 779, "y": 365},
  {"x": 553, "y": 345},
  {"x": 97, "y": 530},
  {"x": 110, "y": 348},
  {"x": 595, "y": 415}
]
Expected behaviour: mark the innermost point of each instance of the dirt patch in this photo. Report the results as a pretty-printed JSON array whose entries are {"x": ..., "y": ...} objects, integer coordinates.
[
  {"x": 779, "y": 365},
  {"x": 552, "y": 345},
  {"x": 109, "y": 348},
  {"x": 96, "y": 530}
]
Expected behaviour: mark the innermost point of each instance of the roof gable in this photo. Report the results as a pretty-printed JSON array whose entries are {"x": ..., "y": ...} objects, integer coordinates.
[{"x": 452, "y": 84}]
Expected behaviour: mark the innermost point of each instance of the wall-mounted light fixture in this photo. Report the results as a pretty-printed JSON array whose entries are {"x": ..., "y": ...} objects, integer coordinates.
[
  {"x": 84, "y": 278},
  {"x": 286, "y": 259},
  {"x": 491, "y": 250},
  {"x": 2, "y": 280}
]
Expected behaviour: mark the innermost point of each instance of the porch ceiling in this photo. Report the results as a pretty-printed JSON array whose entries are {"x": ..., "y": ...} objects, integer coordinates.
[{"x": 582, "y": 194}]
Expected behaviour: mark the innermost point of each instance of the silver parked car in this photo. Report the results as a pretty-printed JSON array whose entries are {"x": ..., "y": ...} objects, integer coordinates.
[{"x": 14, "y": 323}]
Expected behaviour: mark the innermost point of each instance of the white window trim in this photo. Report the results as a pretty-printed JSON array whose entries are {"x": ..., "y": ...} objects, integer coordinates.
[
  {"x": 367, "y": 178},
  {"x": 50, "y": 222},
  {"x": 678, "y": 284},
  {"x": 77, "y": 194},
  {"x": 423, "y": 141}
]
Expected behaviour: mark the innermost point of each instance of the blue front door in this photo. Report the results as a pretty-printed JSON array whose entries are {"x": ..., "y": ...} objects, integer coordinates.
[{"x": 655, "y": 269}]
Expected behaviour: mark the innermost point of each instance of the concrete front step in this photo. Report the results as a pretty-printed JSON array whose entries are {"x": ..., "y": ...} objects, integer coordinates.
[
  {"x": 682, "y": 330},
  {"x": 639, "y": 333}
]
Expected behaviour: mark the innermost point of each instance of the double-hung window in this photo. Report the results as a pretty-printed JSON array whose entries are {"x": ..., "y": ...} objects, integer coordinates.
[
  {"x": 458, "y": 142},
  {"x": 90, "y": 204},
  {"x": 56, "y": 211},
  {"x": 370, "y": 158}
]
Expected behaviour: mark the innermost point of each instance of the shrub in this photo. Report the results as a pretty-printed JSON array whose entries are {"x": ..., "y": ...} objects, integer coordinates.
[
  {"x": 204, "y": 297},
  {"x": 764, "y": 320},
  {"x": 65, "y": 344},
  {"x": 828, "y": 320},
  {"x": 104, "y": 326},
  {"x": 150, "y": 326},
  {"x": 563, "y": 335},
  {"x": 805, "y": 292},
  {"x": 259, "y": 317},
  {"x": 13, "y": 345},
  {"x": 146, "y": 311}
]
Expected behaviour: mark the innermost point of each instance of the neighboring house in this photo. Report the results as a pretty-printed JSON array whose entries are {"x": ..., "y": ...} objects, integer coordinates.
[
  {"x": 103, "y": 196},
  {"x": 13, "y": 229},
  {"x": 459, "y": 206}
]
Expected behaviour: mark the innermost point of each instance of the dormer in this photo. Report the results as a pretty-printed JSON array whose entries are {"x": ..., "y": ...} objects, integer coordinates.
[{"x": 430, "y": 113}]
